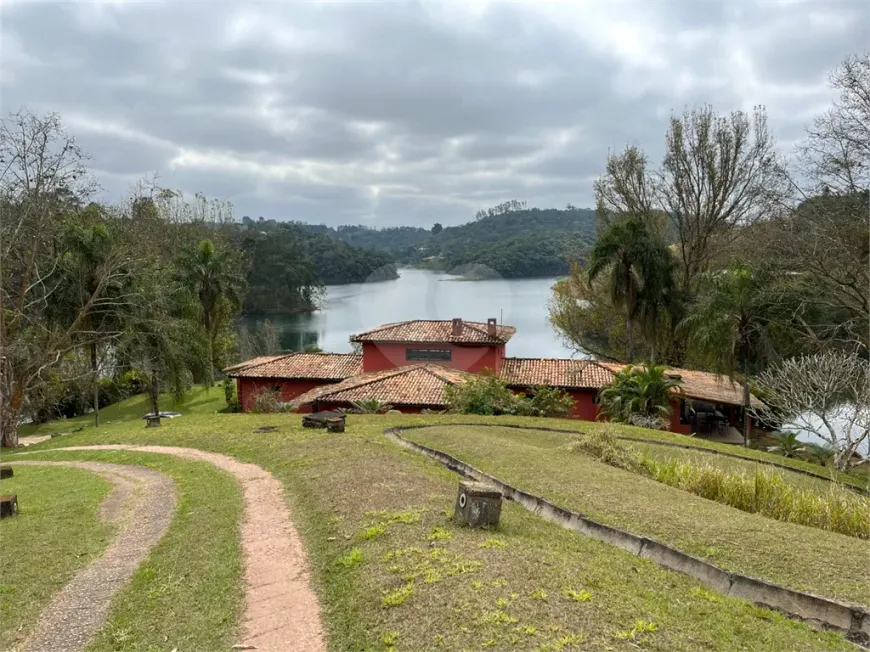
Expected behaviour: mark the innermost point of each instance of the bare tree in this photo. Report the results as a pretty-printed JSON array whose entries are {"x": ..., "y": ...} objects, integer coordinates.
[
  {"x": 627, "y": 189},
  {"x": 826, "y": 395},
  {"x": 42, "y": 181}
]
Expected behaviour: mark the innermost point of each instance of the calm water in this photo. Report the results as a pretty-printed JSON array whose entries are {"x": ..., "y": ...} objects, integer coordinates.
[{"x": 419, "y": 294}]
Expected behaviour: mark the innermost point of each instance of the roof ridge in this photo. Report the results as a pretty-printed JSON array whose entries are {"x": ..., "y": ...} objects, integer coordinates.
[
  {"x": 271, "y": 360},
  {"x": 395, "y": 372},
  {"x": 432, "y": 372}
]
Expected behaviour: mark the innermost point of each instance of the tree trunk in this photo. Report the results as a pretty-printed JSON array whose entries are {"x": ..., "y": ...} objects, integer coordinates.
[
  {"x": 9, "y": 408},
  {"x": 210, "y": 376},
  {"x": 629, "y": 352},
  {"x": 95, "y": 382},
  {"x": 746, "y": 402},
  {"x": 154, "y": 392}
]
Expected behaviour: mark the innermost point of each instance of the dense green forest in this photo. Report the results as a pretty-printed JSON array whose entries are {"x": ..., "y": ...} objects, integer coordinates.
[
  {"x": 509, "y": 240},
  {"x": 289, "y": 265}
]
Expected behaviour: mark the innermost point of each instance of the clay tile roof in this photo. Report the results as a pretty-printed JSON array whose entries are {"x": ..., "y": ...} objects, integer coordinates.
[
  {"x": 559, "y": 372},
  {"x": 323, "y": 366},
  {"x": 421, "y": 384},
  {"x": 422, "y": 330},
  {"x": 703, "y": 385}
]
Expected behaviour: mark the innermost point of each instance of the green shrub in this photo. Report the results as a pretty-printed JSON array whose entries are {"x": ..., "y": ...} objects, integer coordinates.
[
  {"x": 371, "y": 406},
  {"x": 545, "y": 402},
  {"x": 485, "y": 393},
  {"x": 639, "y": 392}
]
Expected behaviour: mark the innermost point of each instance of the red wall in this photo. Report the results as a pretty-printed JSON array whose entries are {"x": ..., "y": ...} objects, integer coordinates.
[
  {"x": 290, "y": 389},
  {"x": 585, "y": 407},
  {"x": 378, "y": 356}
]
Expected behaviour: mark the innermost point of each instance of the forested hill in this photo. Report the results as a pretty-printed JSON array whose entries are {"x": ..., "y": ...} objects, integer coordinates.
[
  {"x": 511, "y": 240},
  {"x": 289, "y": 265}
]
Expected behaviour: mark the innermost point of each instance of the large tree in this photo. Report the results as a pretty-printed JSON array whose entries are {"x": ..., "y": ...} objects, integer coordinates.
[
  {"x": 213, "y": 274},
  {"x": 729, "y": 327},
  {"x": 43, "y": 182}
]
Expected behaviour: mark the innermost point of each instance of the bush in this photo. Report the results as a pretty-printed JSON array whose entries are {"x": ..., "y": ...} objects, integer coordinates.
[
  {"x": 482, "y": 394},
  {"x": 265, "y": 401},
  {"x": 639, "y": 392},
  {"x": 370, "y": 406},
  {"x": 545, "y": 402}
]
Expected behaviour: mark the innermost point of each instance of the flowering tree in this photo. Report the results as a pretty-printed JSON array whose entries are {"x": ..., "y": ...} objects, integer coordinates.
[{"x": 826, "y": 395}]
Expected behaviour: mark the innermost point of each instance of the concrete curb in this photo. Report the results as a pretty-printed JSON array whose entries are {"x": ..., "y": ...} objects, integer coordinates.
[
  {"x": 652, "y": 442},
  {"x": 850, "y": 619}
]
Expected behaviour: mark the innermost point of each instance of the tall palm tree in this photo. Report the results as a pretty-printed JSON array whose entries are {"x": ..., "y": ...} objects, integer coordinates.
[
  {"x": 729, "y": 326},
  {"x": 214, "y": 276},
  {"x": 619, "y": 253}
]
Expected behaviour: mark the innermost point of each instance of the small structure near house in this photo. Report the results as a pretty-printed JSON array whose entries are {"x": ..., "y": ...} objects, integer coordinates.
[
  {"x": 5, "y": 472},
  {"x": 321, "y": 419},
  {"x": 477, "y": 504},
  {"x": 152, "y": 421},
  {"x": 8, "y": 505}
]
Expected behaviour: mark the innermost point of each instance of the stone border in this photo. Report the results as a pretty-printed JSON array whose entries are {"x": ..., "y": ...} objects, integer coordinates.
[
  {"x": 850, "y": 619},
  {"x": 653, "y": 442}
]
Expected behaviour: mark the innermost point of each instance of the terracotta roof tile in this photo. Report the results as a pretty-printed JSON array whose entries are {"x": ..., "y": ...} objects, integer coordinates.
[
  {"x": 703, "y": 385},
  {"x": 559, "y": 372},
  {"x": 421, "y": 330},
  {"x": 421, "y": 384},
  {"x": 325, "y": 366}
]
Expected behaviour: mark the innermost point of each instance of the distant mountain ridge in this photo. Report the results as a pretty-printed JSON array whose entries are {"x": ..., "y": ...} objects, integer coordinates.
[{"x": 511, "y": 241}]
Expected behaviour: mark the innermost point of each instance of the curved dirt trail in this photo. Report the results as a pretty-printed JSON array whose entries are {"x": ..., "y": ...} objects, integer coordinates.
[
  {"x": 141, "y": 503},
  {"x": 281, "y": 612}
]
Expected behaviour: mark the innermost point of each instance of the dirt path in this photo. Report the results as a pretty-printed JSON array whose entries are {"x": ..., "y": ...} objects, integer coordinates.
[
  {"x": 281, "y": 612},
  {"x": 141, "y": 503}
]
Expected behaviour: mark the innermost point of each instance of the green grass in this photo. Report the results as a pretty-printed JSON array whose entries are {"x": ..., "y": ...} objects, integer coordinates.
[
  {"x": 198, "y": 400},
  {"x": 188, "y": 593},
  {"x": 801, "y": 557},
  {"x": 424, "y": 583},
  {"x": 57, "y": 532}
]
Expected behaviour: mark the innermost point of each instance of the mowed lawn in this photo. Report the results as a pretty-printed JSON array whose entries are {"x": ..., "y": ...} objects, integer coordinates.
[
  {"x": 57, "y": 532},
  {"x": 393, "y": 571},
  {"x": 801, "y": 557}
]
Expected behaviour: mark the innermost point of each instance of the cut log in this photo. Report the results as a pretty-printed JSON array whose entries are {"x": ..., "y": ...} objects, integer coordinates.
[
  {"x": 335, "y": 424},
  {"x": 8, "y": 506},
  {"x": 5, "y": 472},
  {"x": 319, "y": 419},
  {"x": 152, "y": 422}
]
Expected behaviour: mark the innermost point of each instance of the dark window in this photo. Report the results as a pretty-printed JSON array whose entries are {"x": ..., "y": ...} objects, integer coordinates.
[
  {"x": 428, "y": 355},
  {"x": 276, "y": 389}
]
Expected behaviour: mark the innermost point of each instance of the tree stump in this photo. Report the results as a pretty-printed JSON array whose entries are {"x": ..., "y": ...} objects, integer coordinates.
[
  {"x": 5, "y": 472},
  {"x": 152, "y": 422},
  {"x": 477, "y": 504},
  {"x": 335, "y": 424},
  {"x": 8, "y": 506}
]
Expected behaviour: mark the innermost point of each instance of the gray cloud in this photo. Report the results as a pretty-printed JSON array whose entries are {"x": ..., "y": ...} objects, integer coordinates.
[{"x": 405, "y": 113}]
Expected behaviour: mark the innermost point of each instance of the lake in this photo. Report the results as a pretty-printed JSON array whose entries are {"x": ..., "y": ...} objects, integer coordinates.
[{"x": 423, "y": 294}]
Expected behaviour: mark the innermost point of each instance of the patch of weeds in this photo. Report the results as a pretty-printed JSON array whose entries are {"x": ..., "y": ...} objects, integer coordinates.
[
  {"x": 701, "y": 592},
  {"x": 539, "y": 594},
  {"x": 408, "y": 517},
  {"x": 350, "y": 559},
  {"x": 431, "y": 576},
  {"x": 462, "y": 566},
  {"x": 577, "y": 596},
  {"x": 397, "y": 597},
  {"x": 498, "y": 583},
  {"x": 488, "y": 643},
  {"x": 372, "y": 532},
  {"x": 497, "y": 617},
  {"x": 492, "y": 543},
  {"x": 476, "y": 585},
  {"x": 390, "y": 639},
  {"x": 401, "y": 552},
  {"x": 438, "y": 534},
  {"x": 568, "y": 640},
  {"x": 640, "y": 628},
  {"x": 529, "y": 630}
]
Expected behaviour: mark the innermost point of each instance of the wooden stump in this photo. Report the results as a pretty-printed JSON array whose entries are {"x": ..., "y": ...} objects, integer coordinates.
[
  {"x": 335, "y": 424},
  {"x": 5, "y": 472},
  {"x": 152, "y": 422},
  {"x": 477, "y": 504},
  {"x": 8, "y": 506}
]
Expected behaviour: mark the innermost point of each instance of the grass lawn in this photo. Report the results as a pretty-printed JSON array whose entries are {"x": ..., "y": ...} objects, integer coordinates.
[
  {"x": 198, "y": 400},
  {"x": 393, "y": 572},
  {"x": 801, "y": 557},
  {"x": 57, "y": 532}
]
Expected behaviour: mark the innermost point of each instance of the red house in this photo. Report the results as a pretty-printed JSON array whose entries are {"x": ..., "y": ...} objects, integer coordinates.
[{"x": 409, "y": 364}]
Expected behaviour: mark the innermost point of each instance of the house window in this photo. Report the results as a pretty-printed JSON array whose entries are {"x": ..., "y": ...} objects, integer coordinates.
[
  {"x": 276, "y": 389},
  {"x": 428, "y": 355}
]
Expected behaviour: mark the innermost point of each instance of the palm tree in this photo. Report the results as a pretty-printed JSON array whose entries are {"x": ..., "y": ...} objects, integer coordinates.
[
  {"x": 787, "y": 444},
  {"x": 730, "y": 324},
  {"x": 619, "y": 253},
  {"x": 645, "y": 390},
  {"x": 213, "y": 275}
]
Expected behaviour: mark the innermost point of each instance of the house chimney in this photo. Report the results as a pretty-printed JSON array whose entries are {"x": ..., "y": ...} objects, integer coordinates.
[
  {"x": 492, "y": 327},
  {"x": 457, "y": 326}
]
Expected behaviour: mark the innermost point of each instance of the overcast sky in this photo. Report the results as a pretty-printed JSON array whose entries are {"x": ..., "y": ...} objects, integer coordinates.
[{"x": 388, "y": 113}]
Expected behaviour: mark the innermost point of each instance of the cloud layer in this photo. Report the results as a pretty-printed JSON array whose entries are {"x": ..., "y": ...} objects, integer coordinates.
[{"x": 405, "y": 113}]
